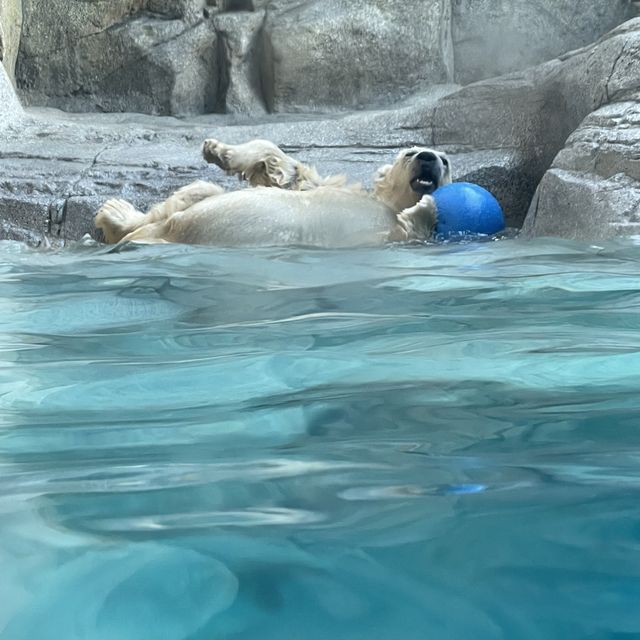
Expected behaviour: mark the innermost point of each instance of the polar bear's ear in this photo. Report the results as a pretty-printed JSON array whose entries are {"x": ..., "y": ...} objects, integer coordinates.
[{"x": 271, "y": 171}]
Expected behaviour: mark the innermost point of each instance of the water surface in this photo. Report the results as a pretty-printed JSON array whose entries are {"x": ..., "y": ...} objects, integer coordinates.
[{"x": 390, "y": 444}]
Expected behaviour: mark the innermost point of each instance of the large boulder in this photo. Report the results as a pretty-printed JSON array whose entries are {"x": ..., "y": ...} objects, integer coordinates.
[
  {"x": 118, "y": 55},
  {"x": 321, "y": 55},
  {"x": 592, "y": 191},
  {"x": 493, "y": 37},
  {"x": 508, "y": 130}
]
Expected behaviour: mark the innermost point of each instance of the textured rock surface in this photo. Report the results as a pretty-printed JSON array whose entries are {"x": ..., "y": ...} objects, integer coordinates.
[
  {"x": 526, "y": 117},
  {"x": 323, "y": 54},
  {"x": 503, "y": 133},
  {"x": 241, "y": 88},
  {"x": 592, "y": 191},
  {"x": 10, "y": 108},
  {"x": 493, "y": 37},
  {"x": 109, "y": 56},
  {"x": 10, "y": 30},
  {"x": 199, "y": 56}
]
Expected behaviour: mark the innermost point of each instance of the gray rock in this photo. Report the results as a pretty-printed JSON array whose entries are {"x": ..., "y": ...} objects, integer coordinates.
[
  {"x": 493, "y": 37},
  {"x": 239, "y": 37},
  {"x": 592, "y": 192},
  {"x": 527, "y": 117},
  {"x": 179, "y": 57},
  {"x": 10, "y": 30},
  {"x": 148, "y": 64},
  {"x": 503, "y": 133},
  {"x": 321, "y": 55},
  {"x": 10, "y": 108}
]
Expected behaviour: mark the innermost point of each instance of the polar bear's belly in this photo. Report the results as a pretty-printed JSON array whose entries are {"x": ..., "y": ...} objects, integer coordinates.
[{"x": 324, "y": 217}]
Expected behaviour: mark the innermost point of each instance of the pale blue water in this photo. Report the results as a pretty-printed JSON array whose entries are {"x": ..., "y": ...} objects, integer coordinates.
[{"x": 392, "y": 444}]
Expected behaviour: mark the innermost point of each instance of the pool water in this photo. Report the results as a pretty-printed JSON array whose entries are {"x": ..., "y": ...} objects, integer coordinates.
[{"x": 391, "y": 444}]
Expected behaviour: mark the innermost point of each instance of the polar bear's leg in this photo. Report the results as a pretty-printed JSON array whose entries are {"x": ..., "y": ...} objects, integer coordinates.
[
  {"x": 117, "y": 218},
  {"x": 151, "y": 233},
  {"x": 182, "y": 199},
  {"x": 260, "y": 162}
]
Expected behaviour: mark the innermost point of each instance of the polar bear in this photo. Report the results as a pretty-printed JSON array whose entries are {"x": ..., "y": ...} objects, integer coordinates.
[{"x": 288, "y": 203}]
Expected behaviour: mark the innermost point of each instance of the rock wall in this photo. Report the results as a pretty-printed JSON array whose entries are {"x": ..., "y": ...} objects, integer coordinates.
[
  {"x": 118, "y": 55},
  {"x": 494, "y": 37},
  {"x": 324, "y": 54},
  {"x": 560, "y": 140},
  {"x": 250, "y": 56},
  {"x": 592, "y": 190}
]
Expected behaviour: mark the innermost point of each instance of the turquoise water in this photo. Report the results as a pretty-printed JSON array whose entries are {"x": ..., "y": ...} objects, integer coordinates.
[{"x": 391, "y": 444}]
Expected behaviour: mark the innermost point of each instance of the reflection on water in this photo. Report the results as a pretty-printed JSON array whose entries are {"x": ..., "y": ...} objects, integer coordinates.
[{"x": 400, "y": 443}]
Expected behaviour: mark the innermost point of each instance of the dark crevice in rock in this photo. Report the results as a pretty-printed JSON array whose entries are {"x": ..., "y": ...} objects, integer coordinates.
[
  {"x": 265, "y": 65},
  {"x": 238, "y": 5},
  {"x": 224, "y": 73},
  {"x": 608, "y": 95}
]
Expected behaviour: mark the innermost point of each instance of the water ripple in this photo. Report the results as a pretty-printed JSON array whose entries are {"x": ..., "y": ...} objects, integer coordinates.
[{"x": 202, "y": 443}]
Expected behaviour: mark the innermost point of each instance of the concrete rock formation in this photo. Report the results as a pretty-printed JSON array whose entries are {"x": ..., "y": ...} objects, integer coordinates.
[
  {"x": 494, "y": 37},
  {"x": 557, "y": 143},
  {"x": 328, "y": 54},
  {"x": 10, "y": 31},
  {"x": 10, "y": 107},
  {"x": 592, "y": 191},
  {"x": 117, "y": 55},
  {"x": 181, "y": 57}
]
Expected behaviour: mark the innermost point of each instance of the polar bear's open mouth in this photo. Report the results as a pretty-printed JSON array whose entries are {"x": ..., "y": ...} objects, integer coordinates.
[
  {"x": 428, "y": 167},
  {"x": 423, "y": 185}
]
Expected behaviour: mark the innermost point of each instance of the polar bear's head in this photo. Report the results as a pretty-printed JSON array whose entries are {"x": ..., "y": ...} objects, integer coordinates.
[{"x": 416, "y": 172}]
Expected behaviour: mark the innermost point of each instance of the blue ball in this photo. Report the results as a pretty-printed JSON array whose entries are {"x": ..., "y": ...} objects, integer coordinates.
[{"x": 466, "y": 209}]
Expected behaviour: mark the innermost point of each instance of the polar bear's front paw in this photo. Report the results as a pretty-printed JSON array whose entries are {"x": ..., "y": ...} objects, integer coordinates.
[{"x": 419, "y": 221}]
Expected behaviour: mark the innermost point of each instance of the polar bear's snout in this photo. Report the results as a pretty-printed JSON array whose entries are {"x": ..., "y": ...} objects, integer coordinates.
[{"x": 431, "y": 170}]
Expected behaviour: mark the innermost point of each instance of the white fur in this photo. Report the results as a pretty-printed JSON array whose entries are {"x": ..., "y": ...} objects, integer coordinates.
[{"x": 289, "y": 203}]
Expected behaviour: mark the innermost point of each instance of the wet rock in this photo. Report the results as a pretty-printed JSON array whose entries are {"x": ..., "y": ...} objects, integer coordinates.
[
  {"x": 327, "y": 54},
  {"x": 493, "y": 37}
]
